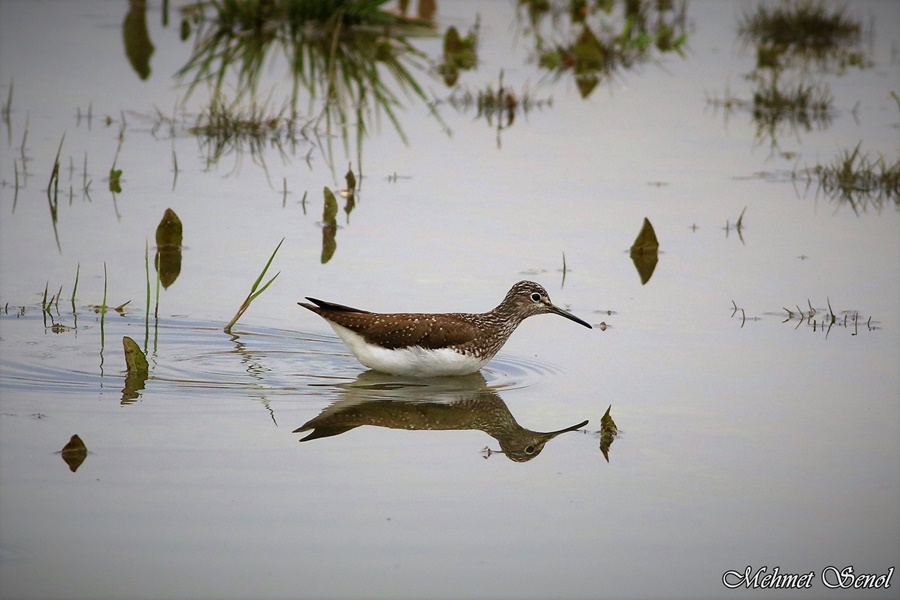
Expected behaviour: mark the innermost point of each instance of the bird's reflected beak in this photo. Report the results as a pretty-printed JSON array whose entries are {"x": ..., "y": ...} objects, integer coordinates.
[{"x": 552, "y": 434}]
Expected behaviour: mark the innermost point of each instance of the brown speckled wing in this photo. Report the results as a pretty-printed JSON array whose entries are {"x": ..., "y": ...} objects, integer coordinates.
[
  {"x": 398, "y": 330},
  {"x": 424, "y": 330}
]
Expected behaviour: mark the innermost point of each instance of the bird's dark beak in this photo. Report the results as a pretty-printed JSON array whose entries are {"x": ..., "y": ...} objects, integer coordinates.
[{"x": 564, "y": 313}]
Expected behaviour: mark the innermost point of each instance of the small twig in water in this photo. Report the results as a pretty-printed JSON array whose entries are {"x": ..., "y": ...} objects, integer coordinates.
[
  {"x": 75, "y": 287},
  {"x": 564, "y": 272}
]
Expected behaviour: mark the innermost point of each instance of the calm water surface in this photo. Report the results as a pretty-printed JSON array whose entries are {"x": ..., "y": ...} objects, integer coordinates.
[{"x": 747, "y": 436}]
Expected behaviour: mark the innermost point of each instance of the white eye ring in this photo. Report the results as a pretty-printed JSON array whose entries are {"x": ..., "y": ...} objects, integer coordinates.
[{"x": 535, "y": 297}]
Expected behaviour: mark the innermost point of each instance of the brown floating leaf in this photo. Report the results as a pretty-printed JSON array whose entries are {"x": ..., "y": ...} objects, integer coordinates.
[
  {"x": 608, "y": 432},
  {"x": 74, "y": 453}
]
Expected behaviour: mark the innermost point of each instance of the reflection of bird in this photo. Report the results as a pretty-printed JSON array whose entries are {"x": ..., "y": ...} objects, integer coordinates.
[
  {"x": 482, "y": 410},
  {"x": 426, "y": 345}
]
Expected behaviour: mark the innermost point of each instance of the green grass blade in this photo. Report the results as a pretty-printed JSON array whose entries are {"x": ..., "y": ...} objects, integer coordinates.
[{"x": 254, "y": 292}]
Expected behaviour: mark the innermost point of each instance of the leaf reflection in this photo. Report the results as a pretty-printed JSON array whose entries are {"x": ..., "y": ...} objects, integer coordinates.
[
  {"x": 383, "y": 401},
  {"x": 138, "y": 47},
  {"x": 460, "y": 53}
]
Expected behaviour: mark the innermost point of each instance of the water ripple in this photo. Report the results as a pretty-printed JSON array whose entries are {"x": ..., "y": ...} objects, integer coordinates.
[{"x": 199, "y": 356}]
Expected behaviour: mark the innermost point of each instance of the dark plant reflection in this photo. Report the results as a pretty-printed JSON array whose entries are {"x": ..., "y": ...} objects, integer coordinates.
[
  {"x": 460, "y": 54},
  {"x": 497, "y": 105},
  {"x": 594, "y": 41},
  {"x": 74, "y": 453},
  {"x": 855, "y": 179},
  {"x": 795, "y": 44},
  {"x": 465, "y": 404},
  {"x": 804, "y": 34},
  {"x": 138, "y": 47},
  {"x": 339, "y": 53}
]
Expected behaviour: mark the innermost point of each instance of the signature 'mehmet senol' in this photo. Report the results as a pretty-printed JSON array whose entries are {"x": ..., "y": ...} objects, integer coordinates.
[{"x": 831, "y": 577}]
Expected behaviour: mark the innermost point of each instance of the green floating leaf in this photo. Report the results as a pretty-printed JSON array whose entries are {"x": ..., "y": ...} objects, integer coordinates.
[
  {"x": 135, "y": 361},
  {"x": 114, "y": 184},
  {"x": 646, "y": 240},
  {"x": 169, "y": 232},
  {"x": 138, "y": 370}
]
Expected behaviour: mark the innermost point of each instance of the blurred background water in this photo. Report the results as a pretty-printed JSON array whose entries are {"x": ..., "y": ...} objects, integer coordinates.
[{"x": 751, "y": 364}]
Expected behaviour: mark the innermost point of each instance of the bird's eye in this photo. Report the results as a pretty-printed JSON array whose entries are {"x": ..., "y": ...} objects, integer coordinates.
[
  {"x": 529, "y": 450},
  {"x": 535, "y": 297}
]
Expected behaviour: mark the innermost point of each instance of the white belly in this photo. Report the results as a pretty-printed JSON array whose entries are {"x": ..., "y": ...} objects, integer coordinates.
[{"x": 409, "y": 362}]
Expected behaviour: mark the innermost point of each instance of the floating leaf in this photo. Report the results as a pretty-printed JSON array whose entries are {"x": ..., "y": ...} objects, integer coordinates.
[
  {"x": 644, "y": 252},
  {"x": 169, "y": 232},
  {"x": 114, "y": 184},
  {"x": 135, "y": 361},
  {"x": 138, "y": 370},
  {"x": 608, "y": 432},
  {"x": 646, "y": 240},
  {"x": 329, "y": 213},
  {"x": 74, "y": 453},
  {"x": 169, "y": 237}
]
